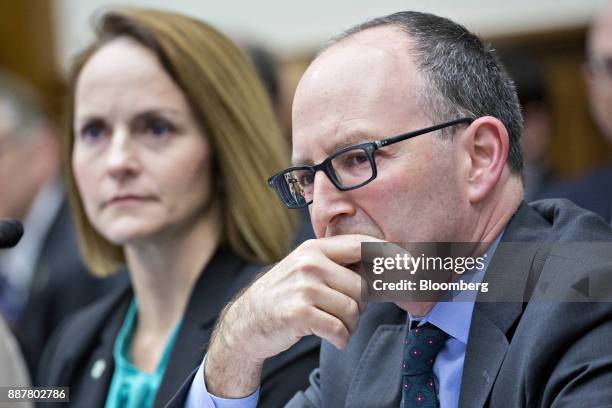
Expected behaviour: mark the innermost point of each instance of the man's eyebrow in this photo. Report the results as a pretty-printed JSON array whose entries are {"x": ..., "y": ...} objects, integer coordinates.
[{"x": 352, "y": 138}]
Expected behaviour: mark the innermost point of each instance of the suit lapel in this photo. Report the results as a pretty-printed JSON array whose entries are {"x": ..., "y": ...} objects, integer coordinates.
[
  {"x": 487, "y": 346},
  {"x": 510, "y": 271},
  {"x": 376, "y": 378},
  {"x": 99, "y": 371},
  {"x": 209, "y": 295},
  {"x": 96, "y": 373}
]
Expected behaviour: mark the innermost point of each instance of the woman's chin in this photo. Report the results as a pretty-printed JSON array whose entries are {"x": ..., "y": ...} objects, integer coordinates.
[{"x": 129, "y": 235}]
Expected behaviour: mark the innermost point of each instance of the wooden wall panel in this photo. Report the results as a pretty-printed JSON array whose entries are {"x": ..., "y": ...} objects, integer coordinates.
[{"x": 27, "y": 46}]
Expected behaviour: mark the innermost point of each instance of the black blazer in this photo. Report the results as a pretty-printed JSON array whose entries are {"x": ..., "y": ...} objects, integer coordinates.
[
  {"x": 61, "y": 286},
  {"x": 80, "y": 355}
]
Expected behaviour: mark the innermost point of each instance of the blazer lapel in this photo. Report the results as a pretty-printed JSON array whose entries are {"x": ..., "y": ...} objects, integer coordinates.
[
  {"x": 513, "y": 269},
  {"x": 486, "y": 349},
  {"x": 209, "y": 295},
  {"x": 376, "y": 380},
  {"x": 96, "y": 373}
]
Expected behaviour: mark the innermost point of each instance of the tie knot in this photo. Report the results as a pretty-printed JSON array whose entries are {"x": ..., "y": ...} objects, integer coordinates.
[{"x": 421, "y": 346}]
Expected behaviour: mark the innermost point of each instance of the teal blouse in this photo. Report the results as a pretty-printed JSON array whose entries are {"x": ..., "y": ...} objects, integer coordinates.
[{"x": 130, "y": 387}]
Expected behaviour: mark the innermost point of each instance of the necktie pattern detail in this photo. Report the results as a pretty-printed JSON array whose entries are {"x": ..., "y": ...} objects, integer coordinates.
[{"x": 421, "y": 346}]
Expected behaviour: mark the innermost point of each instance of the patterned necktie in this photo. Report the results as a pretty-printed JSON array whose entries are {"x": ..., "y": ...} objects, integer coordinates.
[{"x": 421, "y": 346}]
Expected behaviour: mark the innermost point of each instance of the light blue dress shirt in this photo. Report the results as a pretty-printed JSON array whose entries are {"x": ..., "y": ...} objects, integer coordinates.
[
  {"x": 199, "y": 396},
  {"x": 453, "y": 317}
]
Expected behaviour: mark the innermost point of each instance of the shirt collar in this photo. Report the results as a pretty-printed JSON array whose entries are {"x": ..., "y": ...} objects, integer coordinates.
[{"x": 454, "y": 317}]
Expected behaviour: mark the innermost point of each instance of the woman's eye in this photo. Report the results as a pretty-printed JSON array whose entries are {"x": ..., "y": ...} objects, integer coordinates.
[
  {"x": 93, "y": 132},
  {"x": 159, "y": 128}
]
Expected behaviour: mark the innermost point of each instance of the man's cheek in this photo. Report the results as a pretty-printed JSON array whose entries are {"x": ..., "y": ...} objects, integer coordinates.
[{"x": 385, "y": 205}]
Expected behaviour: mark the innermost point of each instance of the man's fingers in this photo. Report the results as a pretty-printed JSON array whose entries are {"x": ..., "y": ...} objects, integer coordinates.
[
  {"x": 336, "y": 304},
  {"x": 328, "y": 327},
  {"x": 341, "y": 279},
  {"x": 342, "y": 249}
]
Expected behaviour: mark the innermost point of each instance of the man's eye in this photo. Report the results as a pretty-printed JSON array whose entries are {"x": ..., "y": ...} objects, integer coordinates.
[
  {"x": 356, "y": 159},
  {"x": 306, "y": 179}
]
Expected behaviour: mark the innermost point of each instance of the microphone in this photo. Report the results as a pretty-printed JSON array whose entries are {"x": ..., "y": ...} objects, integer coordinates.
[{"x": 10, "y": 233}]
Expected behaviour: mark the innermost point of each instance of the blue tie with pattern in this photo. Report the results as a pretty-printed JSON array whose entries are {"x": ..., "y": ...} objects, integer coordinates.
[{"x": 421, "y": 346}]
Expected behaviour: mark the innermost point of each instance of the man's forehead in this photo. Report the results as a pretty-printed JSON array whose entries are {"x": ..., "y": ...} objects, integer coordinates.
[
  {"x": 304, "y": 152},
  {"x": 354, "y": 91},
  {"x": 384, "y": 44}
]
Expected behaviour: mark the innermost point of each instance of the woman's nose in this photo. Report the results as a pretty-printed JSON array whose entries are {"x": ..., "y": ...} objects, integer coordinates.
[{"x": 122, "y": 157}]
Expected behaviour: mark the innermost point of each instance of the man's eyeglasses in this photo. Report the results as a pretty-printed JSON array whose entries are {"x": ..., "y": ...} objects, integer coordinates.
[{"x": 348, "y": 168}]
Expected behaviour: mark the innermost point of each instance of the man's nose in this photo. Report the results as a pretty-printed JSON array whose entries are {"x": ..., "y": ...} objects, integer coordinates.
[
  {"x": 328, "y": 204},
  {"x": 122, "y": 155}
]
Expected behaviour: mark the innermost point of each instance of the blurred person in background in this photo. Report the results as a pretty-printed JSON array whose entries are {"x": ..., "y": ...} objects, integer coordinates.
[
  {"x": 267, "y": 68},
  {"x": 594, "y": 190},
  {"x": 528, "y": 76},
  {"x": 172, "y": 139},
  {"x": 14, "y": 372},
  {"x": 42, "y": 279}
]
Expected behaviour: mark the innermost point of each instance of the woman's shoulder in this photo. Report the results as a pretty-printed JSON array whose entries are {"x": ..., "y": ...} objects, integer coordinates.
[
  {"x": 226, "y": 273},
  {"x": 79, "y": 330},
  {"x": 95, "y": 313},
  {"x": 92, "y": 314}
]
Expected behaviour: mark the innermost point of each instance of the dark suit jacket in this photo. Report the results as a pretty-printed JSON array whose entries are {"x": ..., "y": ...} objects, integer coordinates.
[
  {"x": 88, "y": 339},
  {"x": 535, "y": 354},
  {"x": 61, "y": 285}
]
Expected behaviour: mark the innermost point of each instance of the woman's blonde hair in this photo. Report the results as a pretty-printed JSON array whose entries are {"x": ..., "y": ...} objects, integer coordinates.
[{"x": 233, "y": 111}]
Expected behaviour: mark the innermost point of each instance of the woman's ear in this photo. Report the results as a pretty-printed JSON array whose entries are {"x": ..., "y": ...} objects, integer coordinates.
[{"x": 485, "y": 145}]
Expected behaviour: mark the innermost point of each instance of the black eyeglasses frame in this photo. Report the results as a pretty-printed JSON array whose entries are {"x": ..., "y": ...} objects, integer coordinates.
[{"x": 368, "y": 147}]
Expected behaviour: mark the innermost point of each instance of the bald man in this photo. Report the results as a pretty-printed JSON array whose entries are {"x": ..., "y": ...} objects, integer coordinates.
[{"x": 407, "y": 129}]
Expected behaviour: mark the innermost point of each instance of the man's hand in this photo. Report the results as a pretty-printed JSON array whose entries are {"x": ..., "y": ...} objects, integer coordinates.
[{"x": 311, "y": 291}]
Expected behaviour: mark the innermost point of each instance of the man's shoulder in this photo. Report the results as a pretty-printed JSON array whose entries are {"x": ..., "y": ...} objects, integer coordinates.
[
  {"x": 77, "y": 333},
  {"x": 570, "y": 248},
  {"x": 570, "y": 223}
]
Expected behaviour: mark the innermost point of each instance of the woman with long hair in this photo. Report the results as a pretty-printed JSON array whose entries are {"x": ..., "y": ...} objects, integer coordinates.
[{"x": 172, "y": 137}]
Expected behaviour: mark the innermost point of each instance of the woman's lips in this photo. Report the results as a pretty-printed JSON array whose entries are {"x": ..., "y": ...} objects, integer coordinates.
[{"x": 127, "y": 200}]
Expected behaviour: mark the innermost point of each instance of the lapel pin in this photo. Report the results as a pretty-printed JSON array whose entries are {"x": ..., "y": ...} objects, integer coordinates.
[{"x": 98, "y": 368}]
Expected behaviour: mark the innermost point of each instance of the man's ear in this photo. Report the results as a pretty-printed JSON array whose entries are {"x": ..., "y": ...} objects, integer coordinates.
[{"x": 485, "y": 144}]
